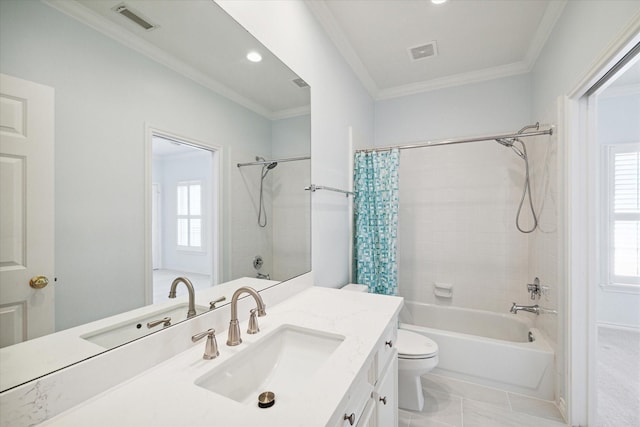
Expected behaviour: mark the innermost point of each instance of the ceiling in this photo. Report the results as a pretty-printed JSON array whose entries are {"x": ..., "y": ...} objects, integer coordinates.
[
  {"x": 199, "y": 40},
  {"x": 476, "y": 39}
]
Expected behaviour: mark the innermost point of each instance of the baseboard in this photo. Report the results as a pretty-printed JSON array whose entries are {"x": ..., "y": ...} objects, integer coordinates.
[{"x": 619, "y": 326}]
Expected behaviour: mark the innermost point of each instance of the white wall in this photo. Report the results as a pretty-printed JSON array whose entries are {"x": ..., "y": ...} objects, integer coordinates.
[
  {"x": 104, "y": 96},
  {"x": 338, "y": 100},
  {"x": 500, "y": 105},
  {"x": 581, "y": 35},
  {"x": 618, "y": 122}
]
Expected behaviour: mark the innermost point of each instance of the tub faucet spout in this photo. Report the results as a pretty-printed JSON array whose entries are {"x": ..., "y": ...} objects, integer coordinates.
[
  {"x": 172, "y": 294},
  {"x": 535, "y": 309}
]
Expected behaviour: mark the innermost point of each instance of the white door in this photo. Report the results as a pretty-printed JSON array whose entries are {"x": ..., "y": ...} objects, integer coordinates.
[{"x": 26, "y": 210}]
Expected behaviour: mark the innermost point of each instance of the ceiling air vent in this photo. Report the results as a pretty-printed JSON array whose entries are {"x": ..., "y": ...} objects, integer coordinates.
[
  {"x": 425, "y": 51},
  {"x": 134, "y": 16},
  {"x": 300, "y": 83}
]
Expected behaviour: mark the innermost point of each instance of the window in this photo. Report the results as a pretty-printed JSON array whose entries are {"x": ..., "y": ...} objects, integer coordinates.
[
  {"x": 623, "y": 203},
  {"x": 189, "y": 215}
]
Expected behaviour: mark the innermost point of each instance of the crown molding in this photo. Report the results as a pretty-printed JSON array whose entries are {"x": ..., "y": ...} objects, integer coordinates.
[
  {"x": 548, "y": 22},
  {"x": 99, "y": 23},
  {"x": 486, "y": 74},
  {"x": 328, "y": 22},
  {"x": 291, "y": 112}
]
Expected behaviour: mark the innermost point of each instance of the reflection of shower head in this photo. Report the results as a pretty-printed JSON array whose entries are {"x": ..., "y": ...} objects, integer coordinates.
[{"x": 269, "y": 166}]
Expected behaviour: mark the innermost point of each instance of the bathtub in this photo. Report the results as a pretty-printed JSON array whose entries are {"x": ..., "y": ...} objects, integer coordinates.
[{"x": 485, "y": 348}]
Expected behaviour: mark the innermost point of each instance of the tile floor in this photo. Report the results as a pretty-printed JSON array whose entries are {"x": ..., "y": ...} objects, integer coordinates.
[
  {"x": 618, "y": 377},
  {"x": 454, "y": 403}
]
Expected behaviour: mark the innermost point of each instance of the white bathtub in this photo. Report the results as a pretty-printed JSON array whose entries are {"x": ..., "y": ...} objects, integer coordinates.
[{"x": 485, "y": 348}]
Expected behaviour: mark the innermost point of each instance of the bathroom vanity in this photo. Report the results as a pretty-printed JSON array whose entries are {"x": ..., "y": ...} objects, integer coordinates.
[{"x": 327, "y": 355}]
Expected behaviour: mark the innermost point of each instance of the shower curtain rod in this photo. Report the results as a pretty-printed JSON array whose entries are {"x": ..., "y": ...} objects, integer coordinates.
[
  {"x": 268, "y": 162},
  {"x": 313, "y": 188},
  {"x": 458, "y": 141}
]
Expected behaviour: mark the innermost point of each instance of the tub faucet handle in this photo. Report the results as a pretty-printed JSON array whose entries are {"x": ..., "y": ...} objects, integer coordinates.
[{"x": 534, "y": 288}]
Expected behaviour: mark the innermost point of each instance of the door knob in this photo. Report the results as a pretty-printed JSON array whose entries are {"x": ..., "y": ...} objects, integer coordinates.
[{"x": 38, "y": 282}]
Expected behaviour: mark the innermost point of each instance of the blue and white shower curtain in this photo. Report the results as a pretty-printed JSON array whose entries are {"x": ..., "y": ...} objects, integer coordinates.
[{"x": 376, "y": 220}]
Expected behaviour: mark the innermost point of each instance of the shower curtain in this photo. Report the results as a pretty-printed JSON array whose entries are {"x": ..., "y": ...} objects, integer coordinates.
[{"x": 376, "y": 220}]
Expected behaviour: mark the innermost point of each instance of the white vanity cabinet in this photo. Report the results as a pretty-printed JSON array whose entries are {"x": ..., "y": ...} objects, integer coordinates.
[{"x": 373, "y": 400}]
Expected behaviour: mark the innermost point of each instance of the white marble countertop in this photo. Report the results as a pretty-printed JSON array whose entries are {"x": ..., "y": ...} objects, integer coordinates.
[
  {"x": 167, "y": 396},
  {"x": 36, "y": 357}
]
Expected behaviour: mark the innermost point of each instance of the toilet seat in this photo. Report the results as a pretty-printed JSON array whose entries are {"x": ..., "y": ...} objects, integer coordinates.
[{"x": 412, "y": 345}]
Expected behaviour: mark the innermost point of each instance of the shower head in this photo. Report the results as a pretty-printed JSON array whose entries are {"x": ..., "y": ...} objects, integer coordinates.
[
  {"x": 272, "y": 165},
  {"x": 505, "y": 142},
  {"x": 509, "y": 143}
]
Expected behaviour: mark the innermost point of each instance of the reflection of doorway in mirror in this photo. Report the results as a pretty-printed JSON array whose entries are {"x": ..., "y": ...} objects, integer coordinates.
[
  {"x": 183, "y": 215},
  {"x": 156, "y": 221},
  {"x": 27, "y": 294}
]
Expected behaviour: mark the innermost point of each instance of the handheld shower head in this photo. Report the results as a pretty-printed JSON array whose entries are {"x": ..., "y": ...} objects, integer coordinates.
[
  {"x": 272, "y": 165},
  {"x": 509, "y": 143}
]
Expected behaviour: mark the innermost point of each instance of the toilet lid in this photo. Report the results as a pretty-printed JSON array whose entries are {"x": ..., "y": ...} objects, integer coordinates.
[{"x": 412, "y": 345}]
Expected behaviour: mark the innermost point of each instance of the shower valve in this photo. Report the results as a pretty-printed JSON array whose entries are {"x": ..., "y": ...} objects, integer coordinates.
[{"x": 534, "y": 288}]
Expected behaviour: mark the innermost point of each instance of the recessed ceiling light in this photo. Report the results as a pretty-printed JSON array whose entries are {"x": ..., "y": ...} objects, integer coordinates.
[
  {"x": 438, "y": 1},
  {"x": 254, "y": 56}
]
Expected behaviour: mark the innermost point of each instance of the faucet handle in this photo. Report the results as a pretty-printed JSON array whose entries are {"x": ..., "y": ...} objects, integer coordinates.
[
  {"x": 213, "y": 303},
  {"x": 534, "y": 289},
  {"x": 211, "y": 347},
  {"x": 166, "y": 322},
  {"x": 253, "y": 322}
]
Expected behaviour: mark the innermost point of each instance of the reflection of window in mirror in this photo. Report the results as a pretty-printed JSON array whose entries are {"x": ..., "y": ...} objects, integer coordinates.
[
  {"x": 189, "y": 213},
  {"x": 183, "y": 215}
]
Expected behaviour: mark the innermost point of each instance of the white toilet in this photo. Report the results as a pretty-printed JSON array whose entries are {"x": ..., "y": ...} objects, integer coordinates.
[{"x": 417, "y": 355}]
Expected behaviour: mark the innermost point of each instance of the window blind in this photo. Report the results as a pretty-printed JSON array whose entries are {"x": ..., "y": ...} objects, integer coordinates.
[{"x": 626, "y": 215}]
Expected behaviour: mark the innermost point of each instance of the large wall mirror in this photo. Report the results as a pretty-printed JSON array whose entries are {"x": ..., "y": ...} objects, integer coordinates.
[{"x": 175, "y": 155}]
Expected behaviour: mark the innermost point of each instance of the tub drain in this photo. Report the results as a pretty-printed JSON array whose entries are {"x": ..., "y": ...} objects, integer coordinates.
[{"x": 266, "y": 399}]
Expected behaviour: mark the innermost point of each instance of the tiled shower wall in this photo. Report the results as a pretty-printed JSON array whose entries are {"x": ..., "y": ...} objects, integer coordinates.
[
  {"x": 543, "y": 243},
  {"x": 458, "y": 206}
]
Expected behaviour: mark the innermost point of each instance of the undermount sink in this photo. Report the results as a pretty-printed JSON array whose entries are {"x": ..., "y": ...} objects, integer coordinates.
[
  {"x": 131, "y": 329},
  {"x": 281, "y": 362}
]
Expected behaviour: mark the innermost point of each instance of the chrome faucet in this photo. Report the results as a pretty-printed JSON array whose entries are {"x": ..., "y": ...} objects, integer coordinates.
[
  {"x": 192, "y": 297},
  {"x": 234, "y": 327},
  {"x": 515, "y": 308}
]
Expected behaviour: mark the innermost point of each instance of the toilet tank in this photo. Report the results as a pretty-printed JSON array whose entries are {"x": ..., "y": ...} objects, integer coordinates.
[{"x": 355, "y": 287}]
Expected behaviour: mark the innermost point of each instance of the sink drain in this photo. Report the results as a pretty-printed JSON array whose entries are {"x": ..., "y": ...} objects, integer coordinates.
[{"x": 266, "y": 399}]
